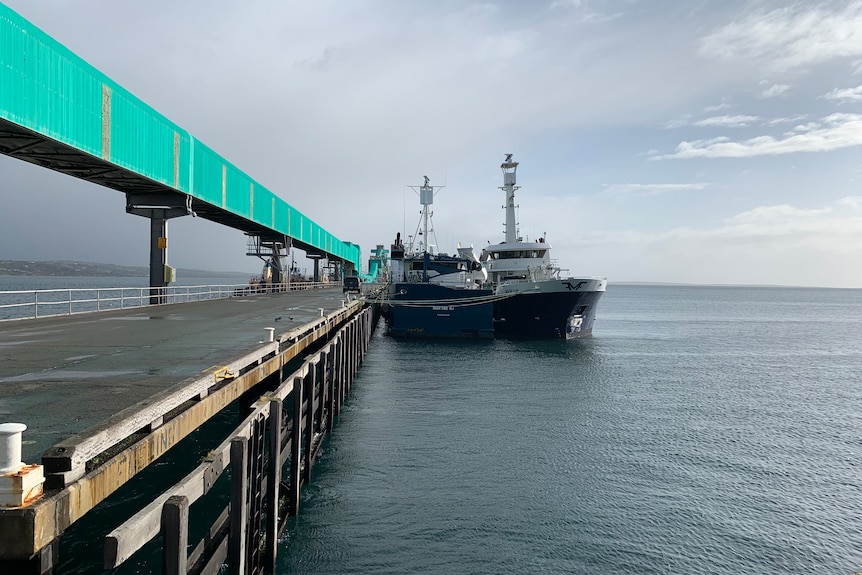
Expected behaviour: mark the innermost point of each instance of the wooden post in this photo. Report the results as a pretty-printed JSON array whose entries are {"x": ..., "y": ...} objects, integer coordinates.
[
  {"x": 308, "y": 428},
  {"x": 312, "y": 397},
  {"x": 273, "y": 479},
  {"x": 238, "y": 505},
  {"x": 339, "y": 375},
  {"x": 320, "y": 384},
  {"x": 363, "y": 320},
  {"x": 323, "y": 395},
  {"x": 330, "y": 388},
  {"x": 348, "y": 347},
  {"x": 175, "y": 530},
  {"x": 295, "y": 443},
  {"x": 354, "y": 351}
]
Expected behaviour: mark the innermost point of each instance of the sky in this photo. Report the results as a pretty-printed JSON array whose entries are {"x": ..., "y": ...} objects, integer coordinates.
[{"x": 706, "y": 141}]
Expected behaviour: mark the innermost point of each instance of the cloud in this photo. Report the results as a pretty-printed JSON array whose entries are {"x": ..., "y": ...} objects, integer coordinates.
[
  {"x": 845, "y": 95},
  {"x": 850, "y": 202},
  {"x": 737, "y": 121},
  {"x": 789, "y": 37},
  {"x": 730, "y": 121},
  {"x": 837, "y": 226},
  {"x": 774, "y": 91},
  {"x": 586, "y": 14},
  {"x": 677, "y": 123},
  {"x": 834, "y": 132},
  {"x": 645, "y": 190},
  {"x": 786, "y": 120},
  {"x": 717, "y": 108},
  {"x": 770, "y": 244}
]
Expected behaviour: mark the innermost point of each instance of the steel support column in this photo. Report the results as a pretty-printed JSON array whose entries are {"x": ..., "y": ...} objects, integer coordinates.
[
  {"x": 316, "y": 259},
  {"x": 159, "y": 208}
]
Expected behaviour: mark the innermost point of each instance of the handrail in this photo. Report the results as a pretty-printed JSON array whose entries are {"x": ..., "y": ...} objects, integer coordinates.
[{"x": 30, "y": 304}]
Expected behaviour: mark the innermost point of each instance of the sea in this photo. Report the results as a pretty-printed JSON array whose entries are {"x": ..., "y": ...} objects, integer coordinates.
[{"x": 700, "y": 430}]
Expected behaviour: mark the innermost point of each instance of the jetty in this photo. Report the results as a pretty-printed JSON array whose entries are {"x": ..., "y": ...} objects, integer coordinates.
[{"x": 106, "y": 394}]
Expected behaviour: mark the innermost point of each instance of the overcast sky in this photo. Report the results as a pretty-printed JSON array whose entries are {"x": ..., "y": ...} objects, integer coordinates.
[{"x": 706, "y": 141}]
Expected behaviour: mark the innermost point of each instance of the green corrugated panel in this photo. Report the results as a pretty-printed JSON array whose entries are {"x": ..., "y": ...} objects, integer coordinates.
[
  {"x": 283, "y": 217},
  {"x": 237, "y": 192},
  {"x": 262, "y": 204},
  {"x": 140, "y": 138},
  {"x": 48, "y": 89},
  {"x": 45, "y": 87},
  {"x": 207, "y": 174},
  {"x": 184, "y": 162}
]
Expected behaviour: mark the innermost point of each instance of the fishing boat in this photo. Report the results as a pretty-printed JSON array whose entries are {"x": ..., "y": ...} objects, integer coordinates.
[
  {"x": 432, "y": 294},
  {"x": 535, "y": 300}
]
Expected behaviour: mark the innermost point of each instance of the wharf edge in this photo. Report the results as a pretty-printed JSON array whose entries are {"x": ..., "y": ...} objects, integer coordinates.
[{"x": 304, "y": 376}]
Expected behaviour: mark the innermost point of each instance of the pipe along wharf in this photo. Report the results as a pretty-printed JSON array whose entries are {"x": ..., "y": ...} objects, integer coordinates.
[{"x": 290, "y": 389}]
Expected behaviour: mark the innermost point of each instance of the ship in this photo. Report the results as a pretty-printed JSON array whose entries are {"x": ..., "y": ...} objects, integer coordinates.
[
  {"x": 433, "y": 294},
  {"x": 534, "y": 299}
]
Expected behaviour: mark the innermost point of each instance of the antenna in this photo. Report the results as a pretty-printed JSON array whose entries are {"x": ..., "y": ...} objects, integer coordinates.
[{"x": 426, "y": 194}]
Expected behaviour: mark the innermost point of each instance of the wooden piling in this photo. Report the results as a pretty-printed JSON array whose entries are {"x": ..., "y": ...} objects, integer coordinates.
[
  {"x": 295, "y": 444},
  {"x": 238, "y": 506},
  {"x": 175, "y": 531},
  {"x": 308, "y": 425},
  {"x": 273, "y": 480}
]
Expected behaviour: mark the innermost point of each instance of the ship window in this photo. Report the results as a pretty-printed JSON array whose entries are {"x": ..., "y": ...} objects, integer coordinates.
[{"x": 541, "y": 254}]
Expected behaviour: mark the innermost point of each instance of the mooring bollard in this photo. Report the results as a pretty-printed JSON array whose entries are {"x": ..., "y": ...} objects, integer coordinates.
[
  {"x": 320, "y": 309},
  {"x": 10, "y": 447},
  {"x": 270, "y": 333},
  {"x": 20, "y": 484}
]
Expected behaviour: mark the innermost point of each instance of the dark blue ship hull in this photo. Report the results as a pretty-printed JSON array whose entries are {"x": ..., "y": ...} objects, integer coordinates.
[
  {"x": 555, "y": 315},
  {"x": 421, "y": 310}
]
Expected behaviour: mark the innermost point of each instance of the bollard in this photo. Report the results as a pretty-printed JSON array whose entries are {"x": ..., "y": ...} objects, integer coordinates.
[
  {"x": 270, "y": 333},
  {"x": 10, "y": 447},
  {"x": 20, "y": 484},
  {"x": 320, "y": 309}
]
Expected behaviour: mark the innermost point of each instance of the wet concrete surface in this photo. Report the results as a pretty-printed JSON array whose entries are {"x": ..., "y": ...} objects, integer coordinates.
[{"x": 61, "y": 375}]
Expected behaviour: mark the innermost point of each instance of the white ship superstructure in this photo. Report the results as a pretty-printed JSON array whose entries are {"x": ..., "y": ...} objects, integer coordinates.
[{"x": 542, "y": 302}]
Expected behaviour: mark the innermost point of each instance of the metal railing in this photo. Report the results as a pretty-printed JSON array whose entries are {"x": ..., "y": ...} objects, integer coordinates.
[{"x": 29, "y": 304}]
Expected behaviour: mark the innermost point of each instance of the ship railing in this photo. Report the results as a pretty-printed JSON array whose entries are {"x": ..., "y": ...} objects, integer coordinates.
[{"x": 30, "y": 304}]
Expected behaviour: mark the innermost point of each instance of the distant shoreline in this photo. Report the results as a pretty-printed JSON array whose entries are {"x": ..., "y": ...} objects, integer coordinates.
[{"x": 65, "y": 268}]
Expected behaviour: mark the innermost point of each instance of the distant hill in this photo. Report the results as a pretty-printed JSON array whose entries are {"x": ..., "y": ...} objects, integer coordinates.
[{"x": 90, "y": 269}]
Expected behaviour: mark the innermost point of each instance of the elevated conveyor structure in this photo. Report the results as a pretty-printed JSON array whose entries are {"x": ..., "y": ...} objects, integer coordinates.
[{"x": 58, "y": 111}]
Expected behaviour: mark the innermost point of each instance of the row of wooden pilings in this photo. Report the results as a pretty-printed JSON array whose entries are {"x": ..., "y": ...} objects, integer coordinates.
[{"x": 270, "y": 456}]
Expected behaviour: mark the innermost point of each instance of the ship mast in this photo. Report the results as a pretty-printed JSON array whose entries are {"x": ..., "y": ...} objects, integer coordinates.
[
  {"x": 509, "y": 168},
  {"x": 426, "y": 199}
]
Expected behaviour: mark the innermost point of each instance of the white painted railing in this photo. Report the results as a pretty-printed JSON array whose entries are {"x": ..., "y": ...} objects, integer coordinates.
[{"x": 28, "y": 304}]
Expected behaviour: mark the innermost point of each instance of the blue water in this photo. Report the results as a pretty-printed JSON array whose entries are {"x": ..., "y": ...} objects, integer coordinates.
[{"x": 700, "y": 430}]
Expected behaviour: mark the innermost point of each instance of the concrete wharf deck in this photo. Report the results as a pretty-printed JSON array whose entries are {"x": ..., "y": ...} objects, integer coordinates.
[{"x": 61, "y": 375}]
